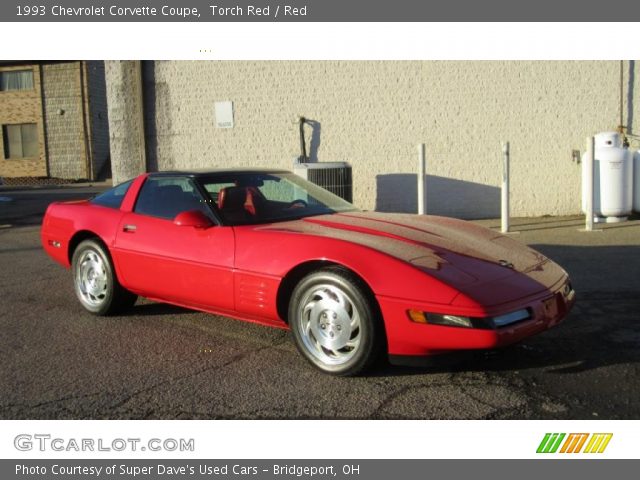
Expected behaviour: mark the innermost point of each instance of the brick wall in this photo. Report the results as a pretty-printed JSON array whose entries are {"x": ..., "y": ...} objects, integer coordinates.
[
  {"x": 23, "y": 106},
  {"x": 372, "y": 114},
  {"x": 63, "y": 109}
]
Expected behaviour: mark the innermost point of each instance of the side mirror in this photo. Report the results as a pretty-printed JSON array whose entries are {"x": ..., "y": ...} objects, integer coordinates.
[{"x": 192, "y": 218}]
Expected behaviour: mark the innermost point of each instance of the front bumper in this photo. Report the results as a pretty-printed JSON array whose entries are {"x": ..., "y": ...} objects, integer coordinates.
[{"x": 405, "y": 337}]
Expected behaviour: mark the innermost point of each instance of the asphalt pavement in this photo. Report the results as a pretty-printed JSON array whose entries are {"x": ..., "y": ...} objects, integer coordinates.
[{"x": 159, "y": 361}]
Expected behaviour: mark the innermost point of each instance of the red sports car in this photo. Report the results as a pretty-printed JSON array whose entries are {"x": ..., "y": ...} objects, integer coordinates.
[{"x": 269, "y": 247}]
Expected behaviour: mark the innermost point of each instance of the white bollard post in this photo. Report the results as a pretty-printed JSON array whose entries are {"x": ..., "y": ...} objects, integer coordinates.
[
  {"x": 590, "y": 160},
  {"x": 422, "y": 181},
  {"x": 505, "y": 188}
]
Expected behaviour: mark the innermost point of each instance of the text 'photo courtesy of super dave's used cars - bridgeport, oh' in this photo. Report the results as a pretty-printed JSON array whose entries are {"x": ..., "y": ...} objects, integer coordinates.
[{"x": 268, "y": 247}]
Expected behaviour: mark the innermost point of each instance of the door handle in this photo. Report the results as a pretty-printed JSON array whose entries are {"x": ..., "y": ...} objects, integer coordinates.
[{"x": 129, "y": 228}]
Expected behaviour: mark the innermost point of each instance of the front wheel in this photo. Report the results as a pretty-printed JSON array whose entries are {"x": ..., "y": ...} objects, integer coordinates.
[
  {"x": 95, "y": 282},
  {"x": 335, "y": 322}
]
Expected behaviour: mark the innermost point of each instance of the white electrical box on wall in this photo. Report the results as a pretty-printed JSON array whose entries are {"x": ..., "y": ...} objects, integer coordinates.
[{"x": 224, "y": 114}]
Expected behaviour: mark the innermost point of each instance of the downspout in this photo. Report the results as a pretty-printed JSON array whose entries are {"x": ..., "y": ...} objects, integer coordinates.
[
  {"x": 141, "y": 124},
  {"x": 43, "y": 116}
]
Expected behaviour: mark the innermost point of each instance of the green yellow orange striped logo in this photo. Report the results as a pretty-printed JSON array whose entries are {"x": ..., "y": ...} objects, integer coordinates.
[{"x": 574, "y": 443}]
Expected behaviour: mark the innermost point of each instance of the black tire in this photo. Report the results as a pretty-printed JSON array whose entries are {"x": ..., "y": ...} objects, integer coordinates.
[
  {"x": 95, "y": 282},
  {"x": 335, "y": 322}
]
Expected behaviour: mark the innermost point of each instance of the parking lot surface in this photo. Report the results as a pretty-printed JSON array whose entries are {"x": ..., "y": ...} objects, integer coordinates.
[{"x": 160, "y": 361}]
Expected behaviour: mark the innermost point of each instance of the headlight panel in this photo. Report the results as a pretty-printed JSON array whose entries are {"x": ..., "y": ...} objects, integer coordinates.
[
  {"x": 449, "y": 320},
  {"x": 460, "y": 321}
]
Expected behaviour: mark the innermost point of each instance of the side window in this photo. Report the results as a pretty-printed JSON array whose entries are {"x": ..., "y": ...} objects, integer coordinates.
[
  {"x": 166, "y": 197},
  {"x": 112, "y": 198}
]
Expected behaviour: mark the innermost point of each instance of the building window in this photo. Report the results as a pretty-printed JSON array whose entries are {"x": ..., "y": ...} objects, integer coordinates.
[
  {"x": 20, "y": 141},
  {"x": 16, "y": 80}
]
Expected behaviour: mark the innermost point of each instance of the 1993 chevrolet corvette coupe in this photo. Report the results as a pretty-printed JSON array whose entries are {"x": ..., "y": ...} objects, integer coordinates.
[{"x": 269, "y": 247}]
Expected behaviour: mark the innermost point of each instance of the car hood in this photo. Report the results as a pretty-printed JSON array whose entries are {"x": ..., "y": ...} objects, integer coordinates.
[{"x": 457, "y": 252}]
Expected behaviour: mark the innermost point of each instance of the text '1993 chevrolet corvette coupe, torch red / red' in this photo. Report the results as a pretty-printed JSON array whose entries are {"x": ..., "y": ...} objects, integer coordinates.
[{"x": 269, "y": 247}]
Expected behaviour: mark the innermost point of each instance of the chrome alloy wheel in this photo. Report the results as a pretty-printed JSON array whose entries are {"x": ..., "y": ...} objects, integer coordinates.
[
  {"x": 329, "y": 324},
  {"x": 91, "y": 278}
]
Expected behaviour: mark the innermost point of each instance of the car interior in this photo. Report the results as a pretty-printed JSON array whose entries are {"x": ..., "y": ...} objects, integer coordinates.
[{"x": 167, "y": 201}]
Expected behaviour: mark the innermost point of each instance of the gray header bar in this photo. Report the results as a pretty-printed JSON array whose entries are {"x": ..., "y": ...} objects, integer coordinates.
[
  {"x": 318, "y": 469},
  {"x": 319, "y": 11}
]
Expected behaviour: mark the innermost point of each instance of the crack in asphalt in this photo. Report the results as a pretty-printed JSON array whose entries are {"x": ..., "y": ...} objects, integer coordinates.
[
  {"x": 391, "y": 397},
  {"x": 526, "y": 395},
  {"x": 112, "y": 408},
  {"x": 48, "y": 402},
  {"x": 236, "y": 358}
]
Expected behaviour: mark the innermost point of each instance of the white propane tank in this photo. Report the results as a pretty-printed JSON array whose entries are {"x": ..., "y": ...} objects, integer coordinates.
[
  {"x": 636, "y": 181},
  {"x": 612, "y": 179}
]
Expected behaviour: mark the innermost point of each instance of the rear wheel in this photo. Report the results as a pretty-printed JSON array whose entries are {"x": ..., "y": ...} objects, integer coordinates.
[
  {"x": 95, "y": 282},
  {"x": 335, "y": 322}
]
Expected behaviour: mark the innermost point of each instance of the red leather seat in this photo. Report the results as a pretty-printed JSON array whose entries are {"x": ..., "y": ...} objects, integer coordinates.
[{"x": 236, "y": 201}]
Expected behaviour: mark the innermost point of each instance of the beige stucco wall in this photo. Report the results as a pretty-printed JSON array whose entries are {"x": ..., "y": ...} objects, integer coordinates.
[{"x": 372, "y": 114}]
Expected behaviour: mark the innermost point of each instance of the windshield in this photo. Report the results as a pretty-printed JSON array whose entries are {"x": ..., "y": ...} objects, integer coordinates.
[{"x": 251, "y": 198}]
